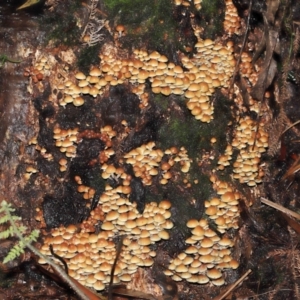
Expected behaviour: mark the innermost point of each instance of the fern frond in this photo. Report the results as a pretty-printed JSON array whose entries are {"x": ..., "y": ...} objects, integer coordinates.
[
  {"x": 4, "y": 219},
  {"x": 22, "y": 229},
  {"x": 14, "y": 252},
  {"x": 19, "y": 248},
  {"x": 4, "y": 207},
  {"x": 26, "y": 241},
  {"x": 34, "y": 235},
  {"x": 15, "y": 230},
  {"x": 8, "y": 232}
]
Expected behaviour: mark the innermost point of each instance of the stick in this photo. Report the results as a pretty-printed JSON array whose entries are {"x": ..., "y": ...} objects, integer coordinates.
[
  {"x": 233, "y": 286},
  {"x": 280, "y": 208}
]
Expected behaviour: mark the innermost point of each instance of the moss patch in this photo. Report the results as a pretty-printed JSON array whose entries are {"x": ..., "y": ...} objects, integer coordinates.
[
  {"x": 148, "y": 23},
  {"x": 191, "y": 133},
  {"x": 61, "y": 27},
  {"x": 211, "y": 18},
  {"x": 88, "y": 56}
]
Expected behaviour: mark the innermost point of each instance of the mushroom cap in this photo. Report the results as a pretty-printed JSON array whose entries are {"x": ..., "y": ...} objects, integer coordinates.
[
  {"x": 192, "y": 223},
  {"x": 202, "y": 279},
  {"x": 95, "y": 71},
  {"x": 78, "y": 101},
  {"x": 107, "y": 226},
  {"x": 206, "y": 243},
  {"x": 80, "y": 76},
  {"x": 198, "y": 231},
  {"x": 206, "y": 259},
  {"x": 112, "y": 215},
  {"x": 211, "y": 211},
  {"x": 181, "y": 268},
  {"x": 120, "y": 28},
  {"x": 233, "y": 264},
  {"x": 218, "y": 282},
  {"x": 164, "y": 235},
  {"x": 214, "y": 273},
  {"x": 165, "y": 204}
]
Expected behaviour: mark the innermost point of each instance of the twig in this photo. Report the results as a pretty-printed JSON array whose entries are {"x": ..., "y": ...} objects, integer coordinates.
[
  {"x": 60, "y": 259},
  {"x": 257, "y": 125},
  {"x": 284, "y": 131},
  {"x": 233, "y": 286},
  {"x": 119, "y": 249},
  {"x": 280, "y": 208}
]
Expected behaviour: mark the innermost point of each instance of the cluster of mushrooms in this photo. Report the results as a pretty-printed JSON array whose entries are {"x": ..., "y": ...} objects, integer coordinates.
[
  {"x": 90, "y": 256},
  {"x": 251, "y": 141},
  {"x": 147, "y": 162},
  {"x": 232, "y": 21},
  {"x": 210, "y": 68},
  {"x": 90, "y": 252},
  {"x": 197, "y": 3},
  {"x": 205, "y": 258},
  {"x": 209, "y": 254}
]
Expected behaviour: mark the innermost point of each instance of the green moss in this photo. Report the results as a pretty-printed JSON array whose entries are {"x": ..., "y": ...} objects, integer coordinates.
[
  {"x": 223, "y": 115},
  {"x": 88, "y": 56},
  {"x": 177, "y": 132},
  {"x": 192, "y": 134},
  {"x": 202, "y": 190},
  {"x": 96, "y": 181},
  {"x": 210, "y": 8},
  {"x": 61, "y": 27},
  {"x": 147, "y": 22},
  {"x": 212, "y": 16},
  {"x": 161, "y": 101},
  {"x": 130, "y": 11},
  {"x": 6, "y": 280}
]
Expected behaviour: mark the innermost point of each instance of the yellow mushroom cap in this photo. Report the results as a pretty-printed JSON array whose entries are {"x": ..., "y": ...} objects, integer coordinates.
[
  {"x": 211, "y": 211},
  {"x": 206, "y": 243},
  {"x": 191, "y": 250},
  {"x": 80, "y": 76},
  {"x": 192, "y": 223},
  {"x": 164, "y": 235},
  {"x": 218, "y": 282},
  {"x": 202, "y": 279},
  {"x": 112, "y": 215},
  {"x": 165, "y": 204},
  {"x": 78, "y": 101},
  {"x": 206, "y": 259},
  {"x": 95, "y": 71},
  {"x": 214, "y": 273},
  {"x": 198, "y": 231},
  {"x": 181, "y": 268},
  {"x": 233, "y": 264},
  {"x": 107, "y": 226}
]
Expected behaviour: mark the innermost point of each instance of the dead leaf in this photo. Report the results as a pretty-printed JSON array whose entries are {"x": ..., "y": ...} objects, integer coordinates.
[
  {"x": 292, "y": 170},
  {"x": 28, "y": 3},
  {"x": 242, "y": 85},
  {"x": 168, "y": 286},
  {"x": 56, "y": 277},
  {"x": 133, "y": 294},
  {"x": 272, "y": 8},
  {"x": 269, "y": 68},
  {"x": 292, "y": 223},
  {"x": 232, "y": 286}
]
